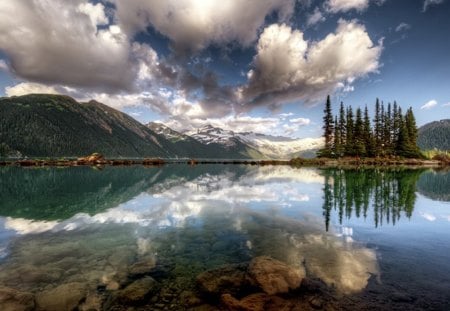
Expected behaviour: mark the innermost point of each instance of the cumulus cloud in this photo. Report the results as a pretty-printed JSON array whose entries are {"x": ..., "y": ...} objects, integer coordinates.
[
  {"x": 300, "y": 121},
  {"x": 428, "y": 3},
  {"x": 194, "y": 24},
  {"x": 287, "y": 67},
  {"x": 430, "y": 104},
  {"x": 60, "y": 42},
  {"x": 402, "y": 27},
  {"x": 336, "y": 6},
  {"x": 28, "y": 88},
  {"x": 315, "y": 18},
  {"x": 83, "y": 50}
]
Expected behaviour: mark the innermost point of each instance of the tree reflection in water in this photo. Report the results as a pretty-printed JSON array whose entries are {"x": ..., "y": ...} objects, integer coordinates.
[{"x": 350, "y": 192}]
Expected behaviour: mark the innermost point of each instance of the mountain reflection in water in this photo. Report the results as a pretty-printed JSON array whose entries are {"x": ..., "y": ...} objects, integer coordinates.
[{"x": 91, "y": 227}]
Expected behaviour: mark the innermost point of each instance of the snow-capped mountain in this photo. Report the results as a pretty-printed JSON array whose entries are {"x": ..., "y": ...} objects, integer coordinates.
[
  {"x": 214, "y": 135},
  {"x": 269, "y": 146},
  {"x": 282, "y": 147},
  {"x": 214, "y": 142},
  {"x": 167, "y": 132}
]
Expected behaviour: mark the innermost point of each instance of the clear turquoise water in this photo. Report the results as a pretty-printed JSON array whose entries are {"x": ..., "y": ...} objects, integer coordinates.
[{"x": 373, "y": 239}]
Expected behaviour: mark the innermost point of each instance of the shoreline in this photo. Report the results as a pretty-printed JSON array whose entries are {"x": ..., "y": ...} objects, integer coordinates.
[{"x": 156, "y": 162}]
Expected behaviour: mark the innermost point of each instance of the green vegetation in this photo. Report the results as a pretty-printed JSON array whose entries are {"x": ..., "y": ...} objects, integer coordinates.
[
  {"x": 435, "y": 135},
  {"x": 39, "y": 125},
  {"x": 350, "y": 192},
  {"x": 391, "y": 133}
]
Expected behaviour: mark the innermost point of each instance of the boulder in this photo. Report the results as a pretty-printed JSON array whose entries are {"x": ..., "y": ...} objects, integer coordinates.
[
  {"x": 64, "y": 297},
  {"x": 229, "y": 279},
  {"x": 143, "y": 267},
  {"x": 274, "y": 276},
  {"x": 14, "y": 300},
  {"x": 253, "y": 302},
  {"x": 138, "y": 291}
]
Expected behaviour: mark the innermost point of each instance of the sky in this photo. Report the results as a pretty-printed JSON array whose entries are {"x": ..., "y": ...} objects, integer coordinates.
[{"x": 245, "y": 65}]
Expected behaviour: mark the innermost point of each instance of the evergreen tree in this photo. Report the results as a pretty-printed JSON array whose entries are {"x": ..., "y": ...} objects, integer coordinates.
[
  {"x": 327, "y": 129},
  {"x": 377, "y": 128},
  {"x": 395, "y": 128},
  {"x": 342, "y": 125},
  {"x": 368, "y": 139},
  {"x": 347, "y": 134},
  {"x": 411, "y": 130},
  {"x": 337, "y": 146},
  {"x": 398, "y": 128},
  {"x": 349, "y": 140},
  {"x": 359, "y": 139},
  {"x": 386, "y": 138}
]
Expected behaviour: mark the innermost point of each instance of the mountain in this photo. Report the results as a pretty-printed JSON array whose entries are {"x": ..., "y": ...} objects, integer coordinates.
[
  {"x": 435, "y": 135},
  {"x": 55, "y": 125},
  {"x": 264, "y": 146},
  {"x": 42, "y": 125},
  {"x": 205, "y": 144}
]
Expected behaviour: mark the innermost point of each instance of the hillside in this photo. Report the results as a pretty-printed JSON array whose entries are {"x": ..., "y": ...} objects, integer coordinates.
[
  {"x": 41, "y": 125},
  {"x": 435, "y": 135}
]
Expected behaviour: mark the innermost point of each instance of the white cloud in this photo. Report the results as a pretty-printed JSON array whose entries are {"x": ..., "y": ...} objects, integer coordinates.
[
  {"x": 59, "y": 42},
  {"x": 194, "y": 24},
  {"x": 428, "y": 3},
  {"x": 300, "y": 121},
  {"x": 446, "y": 105},
  {"x": 96, "y": 13},
  {"x": 402, "y": 27},
  {"x": 430, "y": 104},
  {"x": 315, "y": 18},
  {"x": 336, "y": 6},
  {"x": 288, "y": 68},
  {"x": 28, "y": 88}
]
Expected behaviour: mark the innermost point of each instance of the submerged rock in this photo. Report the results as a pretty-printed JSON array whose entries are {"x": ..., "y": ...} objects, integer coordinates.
[
  {"x": 143, "y": 267},
  {"x": 229, "y": 279},
  {"x": 274, "y": 276},
  {"x": 64, "y": 297},
  {"x": 14, "y": 300},
  {"x": 253, "y": 302},
  {"x": 138, "y": 291}
]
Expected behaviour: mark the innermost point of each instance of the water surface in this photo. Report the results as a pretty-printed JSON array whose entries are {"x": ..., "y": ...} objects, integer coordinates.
[{"x": 366, "y": 239}]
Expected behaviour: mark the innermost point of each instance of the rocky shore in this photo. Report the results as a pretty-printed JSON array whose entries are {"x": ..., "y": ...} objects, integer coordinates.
[{"x": 99, "y": 160}]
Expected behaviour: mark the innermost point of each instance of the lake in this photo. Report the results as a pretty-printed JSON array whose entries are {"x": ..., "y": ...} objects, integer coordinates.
[{"x": 229, "y": 237}]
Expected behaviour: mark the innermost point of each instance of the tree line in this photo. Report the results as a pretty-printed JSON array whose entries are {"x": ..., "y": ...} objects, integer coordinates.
[{"x": 390, "y": 133}]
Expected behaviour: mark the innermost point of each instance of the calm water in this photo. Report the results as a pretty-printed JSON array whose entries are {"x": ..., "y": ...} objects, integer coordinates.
[{"x": 108, "y": 238}]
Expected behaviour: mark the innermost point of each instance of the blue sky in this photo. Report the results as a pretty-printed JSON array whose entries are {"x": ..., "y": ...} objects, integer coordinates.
[{"x": 254, "y": 65}]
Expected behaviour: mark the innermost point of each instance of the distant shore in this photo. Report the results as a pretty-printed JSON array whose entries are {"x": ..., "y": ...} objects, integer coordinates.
[{"x": 297, "y": 162}]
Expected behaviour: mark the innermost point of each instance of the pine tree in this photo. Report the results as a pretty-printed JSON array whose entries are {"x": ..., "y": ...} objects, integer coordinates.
[
  {"x": 411, "y": 129},
  {"x": 395, "y": 128},
  {"x": 403, "y": 141},
  {"x": 368, "y": 139},
  {"x": 342, "y": 126},
  {"x": 337, "y": 146},
  {"x": 327, "y": 129},
  {"x": 377, "y": 128},
  {"x": 387, "y": 130},
  {"x": 398, "y": 127},
  {"x": 349, "y": 140},
  {"x": 359, "y": 146}
]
